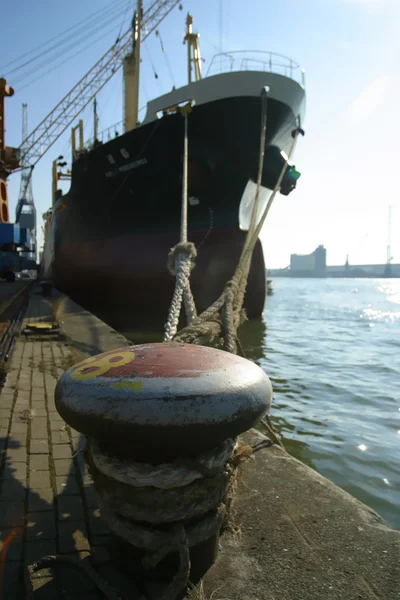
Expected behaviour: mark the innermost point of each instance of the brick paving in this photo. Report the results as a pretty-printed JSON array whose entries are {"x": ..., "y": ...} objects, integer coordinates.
[{"x": 47, "y": 501}]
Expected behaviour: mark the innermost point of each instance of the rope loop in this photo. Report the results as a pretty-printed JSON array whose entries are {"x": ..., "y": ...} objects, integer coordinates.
[{"x": 186, "y": 250}]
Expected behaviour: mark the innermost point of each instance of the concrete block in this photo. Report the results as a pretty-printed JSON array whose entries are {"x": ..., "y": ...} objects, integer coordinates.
[
  {"x": 59, "y": 437},
  {"x": 36, "y": 550},
  {"x": 90, "y": 496},
  {"x": 39, "y": 428},
  {"x": 4, "y": 415},
  {"x": 12, "y": 513},
  {"x": 6, "y": 401},
  {"x": 19, "y": 439},
  {"x": 10, "y": 489},
  {"x": 67, "y": 485},
  {"x": 11, "y": 580},
  {"x": 64, "y": 466},
  {"x": 18, "y": 428},
  {"x": 15, "y": 470},
  {"x": 62, "y": 451},
  {"x": 39, "y": 447},
  {"x": 38, "y": 412},
  {"x": 41, "y": 526},
  {"x": 70, "y": 508},
  {"x": 16, "y": 455},
  {"x": 73, "y": 536},
  {"x": 39, "y": 462},
  {"x": 40, "y": 500},
  {"x": 39, "y": 480}
]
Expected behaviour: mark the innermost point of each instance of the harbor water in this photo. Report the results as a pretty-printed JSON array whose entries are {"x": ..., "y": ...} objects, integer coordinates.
[{"x": 331, "y": 348}]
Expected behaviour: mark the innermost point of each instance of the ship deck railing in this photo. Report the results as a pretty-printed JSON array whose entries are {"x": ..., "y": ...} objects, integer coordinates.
[
  {"x": 237, "y": 60},
  {"x": 256, "y": 60},
  {"x": 106, "y": 135}
]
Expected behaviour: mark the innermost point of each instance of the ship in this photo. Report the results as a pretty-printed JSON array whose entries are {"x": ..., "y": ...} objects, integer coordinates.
[{"x": 107, "y": 239}]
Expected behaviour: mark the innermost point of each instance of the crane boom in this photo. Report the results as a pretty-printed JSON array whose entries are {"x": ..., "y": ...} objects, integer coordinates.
[{"x": 58, "y": 120}]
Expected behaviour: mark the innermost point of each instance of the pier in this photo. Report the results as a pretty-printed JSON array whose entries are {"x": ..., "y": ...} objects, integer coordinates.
[{"x": 293, "y": 534}]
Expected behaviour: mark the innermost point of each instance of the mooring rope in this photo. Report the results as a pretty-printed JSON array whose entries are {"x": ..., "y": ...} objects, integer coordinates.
[
  {"x": 217, "y": 326},
  {"x": 101, "y": 584},
  {"x": 181, "y": 257},
  {"x": 160, "y": 519},
  {"x": 171, "y": 475},
  {"x": 180, "y": 263},
  {"x": 261, "y": 154}
]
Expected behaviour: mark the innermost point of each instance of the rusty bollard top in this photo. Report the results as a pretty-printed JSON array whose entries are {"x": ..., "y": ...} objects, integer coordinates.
[{"x": 159, "y": 401}]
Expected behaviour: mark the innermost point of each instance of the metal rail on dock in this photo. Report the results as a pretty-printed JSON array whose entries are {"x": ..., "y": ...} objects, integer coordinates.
[{"x": 7, "y": 339}]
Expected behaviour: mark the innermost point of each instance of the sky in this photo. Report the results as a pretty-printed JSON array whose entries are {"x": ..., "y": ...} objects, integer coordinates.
[{"x": 349, "y": 157}]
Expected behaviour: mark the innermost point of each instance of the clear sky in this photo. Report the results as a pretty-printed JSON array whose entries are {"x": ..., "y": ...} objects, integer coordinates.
[{"x": 350, "y": 50}]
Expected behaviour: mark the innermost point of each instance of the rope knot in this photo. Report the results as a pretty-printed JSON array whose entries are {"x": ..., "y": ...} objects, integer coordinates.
[{"x": 187, "y": 250}]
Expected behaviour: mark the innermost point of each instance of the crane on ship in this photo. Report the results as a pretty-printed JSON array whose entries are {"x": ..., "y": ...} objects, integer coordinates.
[{"x": 125, "y": 52}]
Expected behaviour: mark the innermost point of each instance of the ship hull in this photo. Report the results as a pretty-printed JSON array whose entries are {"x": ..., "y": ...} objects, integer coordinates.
[
  {"x": 110, "y": 235},
  {"x": 125, "y": 281}
]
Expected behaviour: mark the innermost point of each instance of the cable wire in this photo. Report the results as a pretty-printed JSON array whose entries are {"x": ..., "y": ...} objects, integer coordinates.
[
  {"x": 36, "y": 78},
  {"x": 123, "y": 20},
  {"x": 158, "y": 34},
  {"x": 84, "y": 38},
  {"x": 79, "y": 26}
]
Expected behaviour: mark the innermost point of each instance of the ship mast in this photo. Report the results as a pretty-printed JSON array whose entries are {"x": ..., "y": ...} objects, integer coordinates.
[
  {"x": 131, "y": 73},
  {"x": 193, "y": 48},
  {"x": 95, "y": 121}
]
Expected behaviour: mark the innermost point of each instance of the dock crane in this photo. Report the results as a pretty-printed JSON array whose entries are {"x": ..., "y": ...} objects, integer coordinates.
[{"x": 41, "y": 139}]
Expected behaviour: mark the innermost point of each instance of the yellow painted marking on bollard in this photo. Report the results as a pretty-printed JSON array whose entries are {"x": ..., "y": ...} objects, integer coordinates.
[
  {"x": 129, "y": 385},
  {"x": 100, "y": 366}
]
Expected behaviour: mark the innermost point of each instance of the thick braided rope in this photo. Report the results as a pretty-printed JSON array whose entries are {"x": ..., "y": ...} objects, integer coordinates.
[{"x": 180, "y": 263}]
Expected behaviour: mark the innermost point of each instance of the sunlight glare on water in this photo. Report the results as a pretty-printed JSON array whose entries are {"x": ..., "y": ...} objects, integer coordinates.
[{"x": 336, "y": 380}]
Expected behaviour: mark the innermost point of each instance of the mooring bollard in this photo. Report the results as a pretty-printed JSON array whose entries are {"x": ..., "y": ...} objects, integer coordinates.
[{"x": 162, "y": 422}]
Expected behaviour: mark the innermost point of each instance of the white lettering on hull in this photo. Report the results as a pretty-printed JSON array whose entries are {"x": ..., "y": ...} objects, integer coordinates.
[{"x": 127, "y": 167}]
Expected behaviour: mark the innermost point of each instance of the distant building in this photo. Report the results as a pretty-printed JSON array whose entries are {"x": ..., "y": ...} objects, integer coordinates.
[
  {"x": 314, "y": 265},
  {"x": 375, "y": 271},
  {"x": 309, "y": 265}
]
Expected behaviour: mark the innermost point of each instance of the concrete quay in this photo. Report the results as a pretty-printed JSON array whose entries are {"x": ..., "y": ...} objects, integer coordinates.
[{"x": 295, "y": 535}]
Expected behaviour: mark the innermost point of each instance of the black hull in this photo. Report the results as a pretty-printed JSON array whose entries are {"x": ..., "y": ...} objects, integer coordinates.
[{"x": 111, "y": 234}]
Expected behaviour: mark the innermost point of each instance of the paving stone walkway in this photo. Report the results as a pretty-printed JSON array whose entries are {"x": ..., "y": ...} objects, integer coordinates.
[{"x": 47, "y": 501}]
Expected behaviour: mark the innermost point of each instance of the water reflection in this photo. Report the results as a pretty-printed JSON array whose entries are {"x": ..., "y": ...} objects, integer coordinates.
[
  {"x": 391, "y": 289},
  {"x": 252, "y": 336}
]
